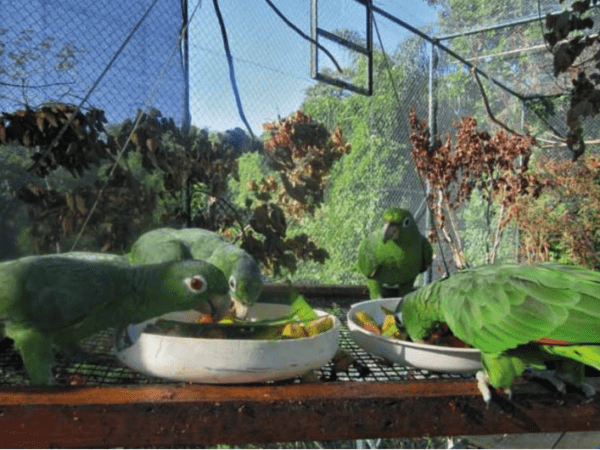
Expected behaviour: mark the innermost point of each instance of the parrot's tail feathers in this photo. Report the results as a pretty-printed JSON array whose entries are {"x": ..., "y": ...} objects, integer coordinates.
[{"x": 588, "y": 354}]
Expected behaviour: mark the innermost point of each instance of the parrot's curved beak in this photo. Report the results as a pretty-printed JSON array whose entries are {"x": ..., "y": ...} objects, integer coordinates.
[
  {"x": 390, "y": 231},
  {"x": 398, "y": 314},
  {"x": 239, "y": 308},
  {"x": 218, "y": 306}
]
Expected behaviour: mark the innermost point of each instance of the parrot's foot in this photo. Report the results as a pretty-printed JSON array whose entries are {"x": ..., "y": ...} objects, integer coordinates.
[{"x": 483, "y": 385}]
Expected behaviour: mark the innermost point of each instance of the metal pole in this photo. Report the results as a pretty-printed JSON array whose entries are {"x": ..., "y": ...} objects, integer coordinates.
[
  {"x": 314, "y": 51},
  {"x": 369, "y": 43},
  {"x": 428, "y": 275},
  {"x": 185, "y": 63}
]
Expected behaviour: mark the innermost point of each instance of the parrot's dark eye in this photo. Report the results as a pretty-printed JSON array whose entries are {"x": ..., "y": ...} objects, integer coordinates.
[
  {"x": 232, "y": 283},
  {"x": 196, "y": 283},
  {"x": 406, "y": 222}
]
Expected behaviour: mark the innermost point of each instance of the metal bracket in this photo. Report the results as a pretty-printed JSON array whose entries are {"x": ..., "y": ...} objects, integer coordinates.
[{"x": 367, "y": 50}]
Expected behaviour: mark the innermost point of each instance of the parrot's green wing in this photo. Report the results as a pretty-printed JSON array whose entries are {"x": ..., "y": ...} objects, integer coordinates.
[
  {"x": 496, "y": 308},
  {"x": 158, "y": 246},
  {"x": 49, "y": 302},
  {"x": 166, "y": 244},
  {"x": 395, "y": 254},
  {"x": 368, "y": 249},
  {"x": 503, "y": 310},
  {"x": 427, "y": 252}
]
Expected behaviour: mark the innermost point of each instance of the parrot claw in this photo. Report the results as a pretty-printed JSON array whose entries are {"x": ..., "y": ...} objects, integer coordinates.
[{"x": 484, "y": 387}]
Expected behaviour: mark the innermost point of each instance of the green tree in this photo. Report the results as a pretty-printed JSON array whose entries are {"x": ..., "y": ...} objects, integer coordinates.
[{"x": 373, "y": 175}]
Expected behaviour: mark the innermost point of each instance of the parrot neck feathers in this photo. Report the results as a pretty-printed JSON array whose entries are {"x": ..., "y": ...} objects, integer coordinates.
[{"x": 421, "y": 311}]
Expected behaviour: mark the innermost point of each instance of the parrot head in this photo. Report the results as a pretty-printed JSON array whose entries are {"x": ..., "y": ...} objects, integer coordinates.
[
  {"x": 397, "y": 222},
  {"x": 196, "y": 284},
  {"x": 245, "y": 285}
]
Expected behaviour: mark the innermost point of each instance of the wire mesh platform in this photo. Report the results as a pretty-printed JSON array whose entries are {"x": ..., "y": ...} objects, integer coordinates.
[
  {"x": 101, "y": 403},
  {"x": 100, "y": 366}
]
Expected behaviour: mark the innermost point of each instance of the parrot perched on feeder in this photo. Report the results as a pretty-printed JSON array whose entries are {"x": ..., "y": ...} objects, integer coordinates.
[
  {"x": 52, "y": 302},
  {"x": 395, "y": 254},
  {"x": 242, "y": 271},
  {"x": 518, "y": 316}
]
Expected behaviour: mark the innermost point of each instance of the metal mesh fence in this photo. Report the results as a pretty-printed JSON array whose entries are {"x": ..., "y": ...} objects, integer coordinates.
[
  {"x": 66, "y": 52},
  {"x": 121, "y": 57}
]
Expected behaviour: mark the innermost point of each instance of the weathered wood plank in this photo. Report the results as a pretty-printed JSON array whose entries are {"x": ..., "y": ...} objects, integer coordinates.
[{"x": 167, "y": 415}]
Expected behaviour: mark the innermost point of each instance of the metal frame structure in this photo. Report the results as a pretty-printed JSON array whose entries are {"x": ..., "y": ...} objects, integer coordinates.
[{"x": 367, "y": 50}]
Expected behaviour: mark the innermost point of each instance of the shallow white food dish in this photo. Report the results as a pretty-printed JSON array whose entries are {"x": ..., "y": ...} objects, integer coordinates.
[
  {"x": 422, "y": 356},
  {"x": 225, "y": 361}
]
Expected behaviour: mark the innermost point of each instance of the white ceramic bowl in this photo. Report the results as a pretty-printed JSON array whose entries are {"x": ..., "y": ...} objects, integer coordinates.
[
  {"x": 224, "y": 361},
  {"x": 423, "y": 356}
]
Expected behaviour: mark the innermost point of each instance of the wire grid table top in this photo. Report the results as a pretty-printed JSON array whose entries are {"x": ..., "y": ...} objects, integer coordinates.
[{"x": 101, "y": 367}]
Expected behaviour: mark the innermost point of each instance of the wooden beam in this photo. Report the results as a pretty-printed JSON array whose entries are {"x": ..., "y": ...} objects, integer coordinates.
[{"x": 193, "y": 414}]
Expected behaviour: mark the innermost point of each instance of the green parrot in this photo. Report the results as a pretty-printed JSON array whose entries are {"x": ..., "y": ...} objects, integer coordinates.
[
  {"x": 53, "y": 302},
  {"x": 166, "y": 244},
  {"x": 518, "y": 316},
  {"x": 395, "y": 254}
]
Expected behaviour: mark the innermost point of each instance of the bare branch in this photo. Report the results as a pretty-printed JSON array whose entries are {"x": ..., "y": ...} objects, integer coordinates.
[{"x": 487, "y": 105}]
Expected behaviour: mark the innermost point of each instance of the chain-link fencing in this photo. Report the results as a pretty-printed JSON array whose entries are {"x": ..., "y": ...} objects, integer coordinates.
[{"x": 170, "y": 57}]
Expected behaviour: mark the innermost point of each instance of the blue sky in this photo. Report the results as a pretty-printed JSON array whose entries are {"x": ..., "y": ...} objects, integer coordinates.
[{"x": 271, "y": 60}]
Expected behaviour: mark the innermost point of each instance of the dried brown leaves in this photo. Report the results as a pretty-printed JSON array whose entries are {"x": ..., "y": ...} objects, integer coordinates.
[
  {"x": 74, "y": 150},
  {"x": 495, "y": 165},
  {"x": 303, "y": 152}
]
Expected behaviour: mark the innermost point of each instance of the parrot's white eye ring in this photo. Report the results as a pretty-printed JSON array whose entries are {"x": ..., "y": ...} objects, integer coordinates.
[
  {"x": 197, "y": 284},
  {"x": 232, "y": 283},
  {"x": 406, "y": 222}
]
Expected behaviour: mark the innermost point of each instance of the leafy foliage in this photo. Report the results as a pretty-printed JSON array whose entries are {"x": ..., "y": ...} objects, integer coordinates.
[
  {"x": 577, "y": 55},
  {"x": 56, "y": 139},
  {"x": 184, "y": 162},
  {"x": 563, "y": 224},
  {"x": 302, "y": 152},
  {"x": 64, "y": 137},
  {"x": 148, "y": 165},
  {"x": 371, "y": 177}
]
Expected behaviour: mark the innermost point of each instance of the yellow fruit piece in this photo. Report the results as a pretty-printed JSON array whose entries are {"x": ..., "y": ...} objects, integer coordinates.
[
  {"x": 390, "y": 329},
  {"x": 319, "y": 325},
  {"x": 389, "y": 323},
  {"x": 367, "y": 322},
  {"x": 293, "y": 330}
]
